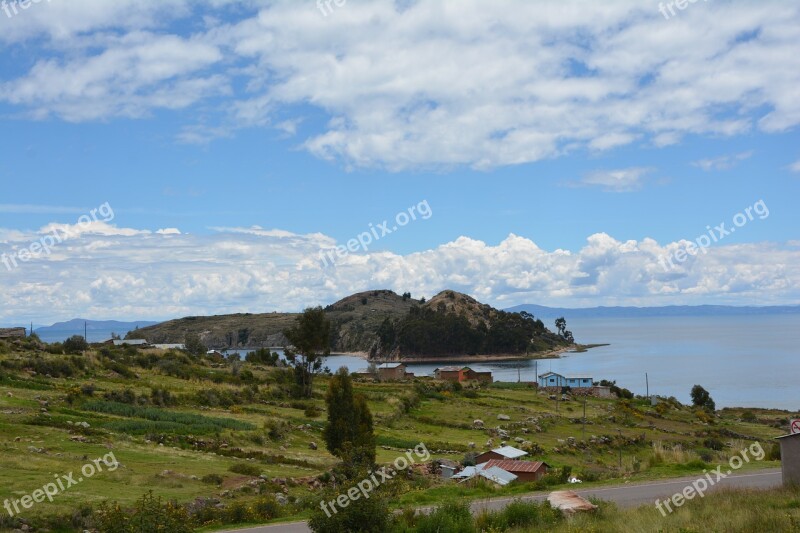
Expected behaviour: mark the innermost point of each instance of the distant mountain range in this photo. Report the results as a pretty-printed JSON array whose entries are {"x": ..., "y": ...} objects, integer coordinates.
[
  {"x": 96, "y": 330},
  {"x": 636, "y": 312}
]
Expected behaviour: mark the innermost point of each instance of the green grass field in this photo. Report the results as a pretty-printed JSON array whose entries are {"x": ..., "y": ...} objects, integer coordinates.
[{"x": 252, "y": 419}]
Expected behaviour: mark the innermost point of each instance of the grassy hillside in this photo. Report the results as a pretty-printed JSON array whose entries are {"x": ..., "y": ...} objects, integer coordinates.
[
  {"x": 373, "y": 322},
  {"x": 231, "y": 434}
]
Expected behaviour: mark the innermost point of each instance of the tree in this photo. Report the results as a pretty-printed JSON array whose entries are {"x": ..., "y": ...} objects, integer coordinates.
[
  {"x": 194, "y": 345},
  {"x": 365, "y": 515},
  {"x": 561, "y": 325},
  {"x": 309, "y": 342},
  {"x": 75, "y": 345},
  {"x": 349, "y": 431},
  {"x": 701, "y": 398}
]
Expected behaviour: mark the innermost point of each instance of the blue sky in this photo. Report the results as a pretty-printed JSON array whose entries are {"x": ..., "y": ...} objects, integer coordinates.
[{"x": 562, "y": 151}]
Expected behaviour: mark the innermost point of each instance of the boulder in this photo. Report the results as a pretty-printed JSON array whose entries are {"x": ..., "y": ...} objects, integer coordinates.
[
  {"x": 477, "y": 423},
  {"x": 503, "y": 417},
  {"x": 312, "y": 445}
]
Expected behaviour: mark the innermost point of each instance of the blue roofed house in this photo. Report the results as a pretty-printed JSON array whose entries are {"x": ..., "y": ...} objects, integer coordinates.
[{"x": 554, "y": 379}]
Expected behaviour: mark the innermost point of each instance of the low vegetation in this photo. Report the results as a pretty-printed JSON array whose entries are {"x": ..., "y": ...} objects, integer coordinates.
[{"x": 223, "y": 442}]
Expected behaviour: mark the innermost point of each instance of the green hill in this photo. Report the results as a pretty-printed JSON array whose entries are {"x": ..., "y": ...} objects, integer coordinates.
[{"x": 382, "y": 324}]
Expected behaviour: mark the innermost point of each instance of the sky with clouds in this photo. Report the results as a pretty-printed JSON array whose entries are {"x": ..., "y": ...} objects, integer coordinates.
[{"x": 162, "y": 159}]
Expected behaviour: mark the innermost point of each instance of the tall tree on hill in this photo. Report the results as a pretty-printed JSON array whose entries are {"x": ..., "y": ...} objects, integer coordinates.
[
  {"x": 310, "y": 342},
  {"x": 349, "y": 431},
  {"x": 561, "y": 325},
  {"x": 701, "y": 398}
]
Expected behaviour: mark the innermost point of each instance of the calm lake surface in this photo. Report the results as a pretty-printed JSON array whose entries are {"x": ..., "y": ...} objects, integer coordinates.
[{"x": 749, "y": 360}]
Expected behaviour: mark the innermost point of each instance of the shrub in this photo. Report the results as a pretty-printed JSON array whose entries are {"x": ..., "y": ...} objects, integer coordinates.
[
  {"x": 212, "y": 479},
  {"x": 245, "y": 469},
  {"x": 278, "y": 429},
  {"x": 75, "y": 345},
  {"x": 367, "y": 515},
  {"x": 149, "y": 514},
  {"x": 312, "y": 411},
  {"x": 162, "y": 398},
  {"x": 125, "y": 396},
  {"x": 714, "y": 444},
  {"x": 749, "y": 416},
  {"x": 452, "y": 517}
]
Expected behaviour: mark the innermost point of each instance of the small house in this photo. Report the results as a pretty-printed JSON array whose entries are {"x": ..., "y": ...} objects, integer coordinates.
[
  {"x": 461, "y": 374},
  {"x": 790, "y": 458},
  {"x": 447, "y": 373},
  {"x": 497, "y": 475},
  {"x": 502, "y": 453},
  {"x": 523, "y": 470},
  {"x": 393, "y": 372},
  {"x": 130, "y": 342},
  {"x": 170, "y": 346},
  {"x": 554, "y": 379},
  {"x": 10, "y": 333}
]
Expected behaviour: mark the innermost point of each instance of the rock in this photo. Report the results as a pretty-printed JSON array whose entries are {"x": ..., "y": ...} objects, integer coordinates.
[
  {"x": 525, "y": 430},
  {"x": 281, "y": 498},
  {"x": 312, "y": 445},
  {"x": 9, "y": 395},
  {"x": 17, "y": 439},
  {"x": 471, "y": 445},
  {"x": 519, "y": 440},
  {"x": 477, "y": 423},
  {"x": 503, "y": 417},
  {"x": 490, "y": 443}
]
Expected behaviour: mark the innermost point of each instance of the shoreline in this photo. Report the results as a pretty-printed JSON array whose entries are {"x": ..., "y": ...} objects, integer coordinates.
[{"x": 552, "y": 354}]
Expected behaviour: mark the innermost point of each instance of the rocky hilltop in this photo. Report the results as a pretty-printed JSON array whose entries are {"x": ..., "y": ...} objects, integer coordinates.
[{"x": 383, "y": 325}]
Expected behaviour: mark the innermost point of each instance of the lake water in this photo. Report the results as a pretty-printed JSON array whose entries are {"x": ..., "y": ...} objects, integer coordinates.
[{"x": 749, "y": 360}]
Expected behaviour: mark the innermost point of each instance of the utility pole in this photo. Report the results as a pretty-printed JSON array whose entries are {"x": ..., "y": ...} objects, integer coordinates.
[{"x": 584, "y": 418}]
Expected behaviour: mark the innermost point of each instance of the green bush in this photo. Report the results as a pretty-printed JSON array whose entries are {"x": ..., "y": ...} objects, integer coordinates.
[
  {"x": 212, "y": 479},
  {"x": 312, "y": 411},
  {"x": 453, "y": 517},
  {"x": 367, "y": 515},
  {"x": 245, "y": 469},
  {"x": 75, "y": 345},
  {"x": 749, "y": 416},
  {"x": 149, "y": 514}
]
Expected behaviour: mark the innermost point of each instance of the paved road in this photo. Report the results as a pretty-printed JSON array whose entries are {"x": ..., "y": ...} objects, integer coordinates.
[{"x": 627, "y": 495}]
